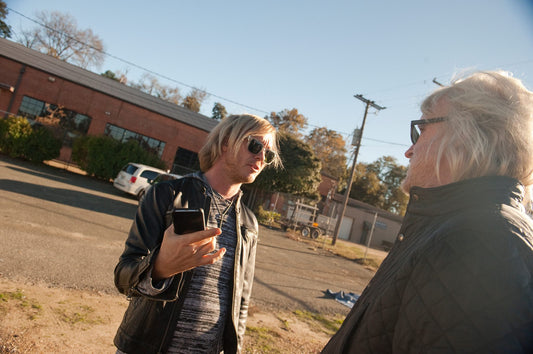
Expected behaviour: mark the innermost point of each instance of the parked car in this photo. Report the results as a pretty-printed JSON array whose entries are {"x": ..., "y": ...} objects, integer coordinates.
[
  {"x": 162, "y": 177},
  {"x": 136, "y": 178}
]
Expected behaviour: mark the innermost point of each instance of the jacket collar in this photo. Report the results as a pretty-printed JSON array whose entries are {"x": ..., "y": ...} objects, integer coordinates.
[
  {"x": 470, "y": 193},
  {"x": 199, "y": 175}
]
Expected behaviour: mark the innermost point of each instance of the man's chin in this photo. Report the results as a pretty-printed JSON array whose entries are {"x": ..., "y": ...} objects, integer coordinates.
[{"x": 250, "y": 178}]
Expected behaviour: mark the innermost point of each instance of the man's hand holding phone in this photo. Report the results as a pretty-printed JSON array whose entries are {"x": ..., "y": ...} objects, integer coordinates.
[{"x": 190, "y": 249}]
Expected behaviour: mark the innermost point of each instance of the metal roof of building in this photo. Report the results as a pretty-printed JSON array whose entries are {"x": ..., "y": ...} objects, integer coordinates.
[
  {"x": 60, "y": 68},
  {"x": 367, "y": 207}
]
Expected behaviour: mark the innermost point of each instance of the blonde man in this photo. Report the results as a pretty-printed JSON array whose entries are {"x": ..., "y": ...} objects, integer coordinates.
[
  {"x": 190, "y": 293},
  {"x": 459, "y": 278}
]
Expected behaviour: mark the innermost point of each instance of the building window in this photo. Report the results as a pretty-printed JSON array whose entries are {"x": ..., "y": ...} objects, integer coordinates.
[
  {"x": 31, "y": 108},
  {"x": 65, "y": 124},
  {"x": 114, "y": 132},
  {"x": 185, "y": 162},
  {"x": 75, "y": 125},
  {"x": 381, "y": 225},
  {"x": 151, "y": 145}
]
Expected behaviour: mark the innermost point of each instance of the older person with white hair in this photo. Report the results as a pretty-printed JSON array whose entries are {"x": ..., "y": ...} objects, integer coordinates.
[{"x": 460, "y": 275}]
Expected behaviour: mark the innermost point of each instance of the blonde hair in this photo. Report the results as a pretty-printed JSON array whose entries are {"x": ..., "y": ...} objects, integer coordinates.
[
  {"x": 489, "y": 130},
  {"x": 232, "y": 131}
]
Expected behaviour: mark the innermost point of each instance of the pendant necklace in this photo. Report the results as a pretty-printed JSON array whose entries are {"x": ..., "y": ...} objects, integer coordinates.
[{"x": 221, "y": 214}]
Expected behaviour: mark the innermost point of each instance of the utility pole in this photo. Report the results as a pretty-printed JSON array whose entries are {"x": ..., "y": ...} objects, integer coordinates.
[
  {"x": 437, "y": 83},
  {"x": 357, "y": 140}
]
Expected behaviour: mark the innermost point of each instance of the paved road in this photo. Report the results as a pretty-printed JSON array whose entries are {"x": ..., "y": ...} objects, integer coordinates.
[{"x": 67, "y": 230}]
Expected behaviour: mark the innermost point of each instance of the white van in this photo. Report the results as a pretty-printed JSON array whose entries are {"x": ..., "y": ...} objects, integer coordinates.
[{"x": 135, "y": 178}]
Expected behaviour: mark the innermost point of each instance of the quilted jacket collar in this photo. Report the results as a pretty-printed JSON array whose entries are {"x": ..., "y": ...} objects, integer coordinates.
[{"x": 466, "y": 194}]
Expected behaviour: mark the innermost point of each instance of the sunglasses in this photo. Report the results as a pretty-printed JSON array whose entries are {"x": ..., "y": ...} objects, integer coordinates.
[
  {"x": 415, "y": 130},
  {"x": 255, "y": 147}
]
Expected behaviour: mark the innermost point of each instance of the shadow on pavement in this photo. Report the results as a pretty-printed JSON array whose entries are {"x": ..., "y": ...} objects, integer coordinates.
[
  {"x": 304, "y": 303},
  {"x": 62, "y": 176},
  {"x": 72, "y": 198}
]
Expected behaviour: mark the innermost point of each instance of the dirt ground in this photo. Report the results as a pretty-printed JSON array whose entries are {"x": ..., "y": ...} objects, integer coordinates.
[
  {"x": 39, "y": 319},
  {"x": 35, "y": 318}
]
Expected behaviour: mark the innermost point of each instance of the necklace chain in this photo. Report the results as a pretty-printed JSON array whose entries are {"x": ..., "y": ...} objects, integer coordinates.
[{"x": 221, "y": 214}]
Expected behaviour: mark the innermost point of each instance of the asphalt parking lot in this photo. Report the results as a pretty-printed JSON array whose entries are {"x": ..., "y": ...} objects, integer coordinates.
[{"x": 64, "y": 229}]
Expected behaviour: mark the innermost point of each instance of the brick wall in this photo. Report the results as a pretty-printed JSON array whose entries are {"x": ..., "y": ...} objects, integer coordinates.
[{"x": 102, "y": 108}]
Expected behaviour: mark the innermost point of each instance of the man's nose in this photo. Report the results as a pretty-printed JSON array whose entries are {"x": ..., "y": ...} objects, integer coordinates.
[
  {"x": 409, "y": 152},
  {"x": 262, "y": 154}
]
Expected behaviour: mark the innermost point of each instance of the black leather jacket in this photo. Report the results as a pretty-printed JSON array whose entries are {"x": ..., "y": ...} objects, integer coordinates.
[{"x": 149, "y": 322}]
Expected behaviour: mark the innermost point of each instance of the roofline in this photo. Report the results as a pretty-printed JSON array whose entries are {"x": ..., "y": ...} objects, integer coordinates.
[
  {"x": 367, "y": 207},
  {"x": 110, "y": 87}
]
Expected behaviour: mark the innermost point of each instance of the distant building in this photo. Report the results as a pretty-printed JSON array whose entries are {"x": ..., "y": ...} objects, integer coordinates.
[
  {"x": 356, "y": 225},
  {"x": 76, "y": 102}
]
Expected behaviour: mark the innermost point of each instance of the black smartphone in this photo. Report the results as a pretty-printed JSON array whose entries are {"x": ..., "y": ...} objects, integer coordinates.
[{"x": 188, "y": 220}]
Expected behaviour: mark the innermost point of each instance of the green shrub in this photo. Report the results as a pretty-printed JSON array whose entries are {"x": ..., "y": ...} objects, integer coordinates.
[
  {"x": 79, "y": 151},
  {"x": 103, "y": 156},
  {"x": 18, "y": 139},
  {"x": 41, "y": 145},
  {"x": 266, "y": 217},
  {"x": 3, "y": 133},
  {"x": 15, "y": 133}
]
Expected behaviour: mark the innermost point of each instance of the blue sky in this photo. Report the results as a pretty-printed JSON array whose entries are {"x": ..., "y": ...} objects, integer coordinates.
[{"x": 310, "y": 55}]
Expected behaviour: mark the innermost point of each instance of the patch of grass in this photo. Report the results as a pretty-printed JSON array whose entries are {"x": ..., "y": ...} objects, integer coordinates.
[
  {"x": 84, "y": 315},
  {"x": 369, "y": 262},
  {"x": 286, "y": 325},
  {"x": 343, "y": 249},
  {"x": 321, "y": 322},
  {"x": 263, "y": 332},
  {"x": 29, "y": 305},
  {"x": 263, "y": 338},
  {"x": 16, "y": 295}
]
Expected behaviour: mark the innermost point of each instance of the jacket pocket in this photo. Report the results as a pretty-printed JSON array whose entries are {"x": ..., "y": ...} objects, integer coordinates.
[
  {"x": 143, "y": 324},
  {"x": 249, "y": 235}
]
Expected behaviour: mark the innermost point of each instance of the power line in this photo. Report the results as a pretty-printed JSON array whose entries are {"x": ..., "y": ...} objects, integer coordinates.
[
  {"x": 174, "y": 80},
  {"x": 138, "y": 66},
  {"x": 387, "y": 142}
]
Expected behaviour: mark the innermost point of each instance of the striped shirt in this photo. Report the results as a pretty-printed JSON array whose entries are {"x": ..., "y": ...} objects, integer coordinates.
[{"x": 207, "y": 302}]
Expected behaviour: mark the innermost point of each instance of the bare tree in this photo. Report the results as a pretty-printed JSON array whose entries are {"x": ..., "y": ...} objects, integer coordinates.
[
  {"x": 59, "y": 36},
  {"x": 147, "y": 84},
  {"x": 170, "y": 94},
  {"x": 151, "y": 85}
]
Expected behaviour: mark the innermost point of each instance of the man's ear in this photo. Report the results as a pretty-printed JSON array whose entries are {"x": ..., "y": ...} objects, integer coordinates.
[{"x": 225, "y": 145}]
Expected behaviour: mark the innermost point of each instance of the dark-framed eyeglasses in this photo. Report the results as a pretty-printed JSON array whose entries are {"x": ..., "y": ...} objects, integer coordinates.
[
  {"x": 415, "y": 130},
  {"x": 255, "y": 147}
]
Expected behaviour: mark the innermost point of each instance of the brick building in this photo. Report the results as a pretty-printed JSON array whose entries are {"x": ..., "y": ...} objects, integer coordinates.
[{"x": 39, "y": 86}]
